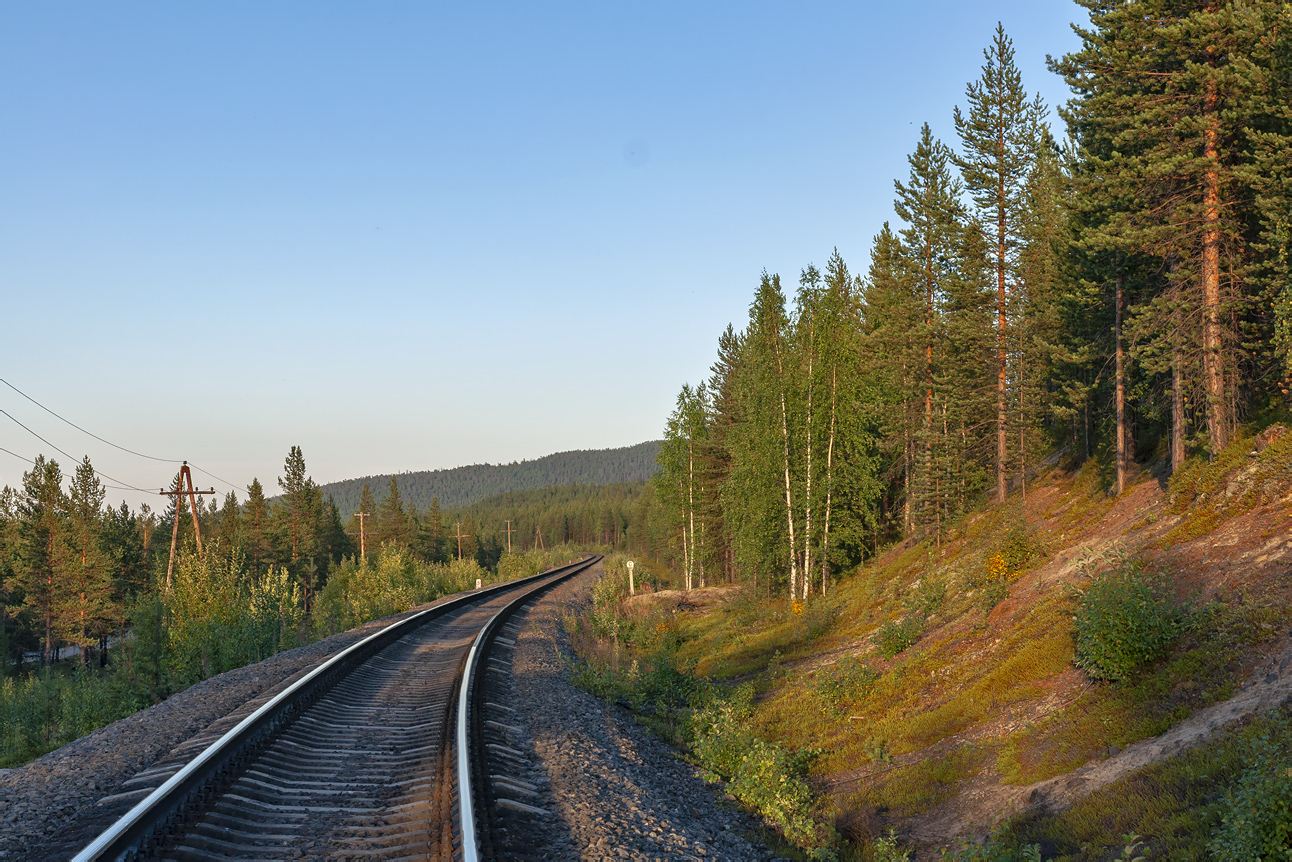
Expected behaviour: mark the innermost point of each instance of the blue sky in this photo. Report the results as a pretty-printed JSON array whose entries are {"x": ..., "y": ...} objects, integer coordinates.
[{"x": 415, "y": 235}]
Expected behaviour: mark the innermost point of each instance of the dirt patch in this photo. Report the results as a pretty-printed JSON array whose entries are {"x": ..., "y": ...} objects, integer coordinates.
[{"x": 698, "y": 601}]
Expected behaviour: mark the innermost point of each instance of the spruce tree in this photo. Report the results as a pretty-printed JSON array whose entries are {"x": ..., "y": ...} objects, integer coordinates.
[
  {"x": 257, "y": 528},
  {"x": 929, "y": 203},
  {"x": 83, "y": 595},
  {"x": 42, "y": 529},
  {"x": 392, "y": 527},
  {"x": 295, "y": 485}
]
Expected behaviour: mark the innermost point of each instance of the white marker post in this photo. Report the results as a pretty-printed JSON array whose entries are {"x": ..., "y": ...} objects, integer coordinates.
[
  {"x": 479, "y": 583},
  {"x": 631, "y": 591}
]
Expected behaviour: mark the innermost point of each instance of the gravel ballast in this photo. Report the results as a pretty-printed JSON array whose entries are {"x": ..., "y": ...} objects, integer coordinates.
[{"x": 612, "y": 789}]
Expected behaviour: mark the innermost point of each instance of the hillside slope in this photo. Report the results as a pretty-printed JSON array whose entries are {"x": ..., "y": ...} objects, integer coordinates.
[
  {"x": 941, "y": 682},
  {"x": 462, "y": 486}
]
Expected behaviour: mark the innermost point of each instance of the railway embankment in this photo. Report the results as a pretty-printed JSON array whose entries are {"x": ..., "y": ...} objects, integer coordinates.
[{"x": 55, "y": 805}]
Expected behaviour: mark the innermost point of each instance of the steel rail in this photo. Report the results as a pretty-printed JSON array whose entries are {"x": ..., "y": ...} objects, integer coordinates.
[
  {"x": 150, "y": 821},
  {"x": 466, "y": 797}
]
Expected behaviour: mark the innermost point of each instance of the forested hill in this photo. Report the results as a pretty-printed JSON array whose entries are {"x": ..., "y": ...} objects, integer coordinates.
[{"x": 462, "y": 486}]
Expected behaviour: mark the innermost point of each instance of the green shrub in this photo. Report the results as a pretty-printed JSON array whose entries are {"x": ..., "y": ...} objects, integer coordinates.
[
  {"x": 1257, "y": 819},
  {"x": 887, "y": 849},
  {"x": 895, "y": 636},
  {"x": 1124, "y": 619},
  {"x": 995, "y": 851},
  {"x": 763, "y": 775}
]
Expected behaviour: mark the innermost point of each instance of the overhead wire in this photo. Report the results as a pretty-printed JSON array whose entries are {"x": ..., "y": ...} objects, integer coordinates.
[
  {"x": 128, "y": 486},
  {"x": 29, "y": 461},
  {"x": 109, "y": 442},
  {"x": 16, "y": 455},
  {"x": 82, "y": 430}
]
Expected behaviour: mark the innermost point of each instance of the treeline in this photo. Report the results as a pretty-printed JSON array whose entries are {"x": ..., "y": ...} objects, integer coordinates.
[
  {"x": 463, "y": 486},
  {"x": 1122, "y": 294},
  {"x": 585, "y": 515},
  {"x": 77, "y": 573}
]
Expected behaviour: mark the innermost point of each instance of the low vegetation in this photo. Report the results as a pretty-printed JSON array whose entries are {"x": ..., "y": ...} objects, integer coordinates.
[{"x": 219, "y": 615}]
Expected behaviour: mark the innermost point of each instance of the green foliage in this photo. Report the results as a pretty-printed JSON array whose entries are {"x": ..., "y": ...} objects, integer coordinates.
[
  {"x": 895, "y": 636},
  {"x": 887, "y": 849},
  {"x": 460, "y": 487},
  {"x": 397, "y": 580},
  {"x": 41, "y": 712},
  {"x": 220, "y": 616},
  {"x": 1124, "y": 619},
  {"x": 876, "y": 749},
  {"x": 1256, "y": 822},
  {"x": 763, "y": 775}
]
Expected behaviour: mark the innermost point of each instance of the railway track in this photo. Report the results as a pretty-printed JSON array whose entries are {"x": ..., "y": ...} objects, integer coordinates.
[{"x": 388, "y": 750}]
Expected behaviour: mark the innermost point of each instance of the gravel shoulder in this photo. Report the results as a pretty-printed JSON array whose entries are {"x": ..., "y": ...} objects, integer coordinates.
[
  {"x": 55, "y": 805},
  {"x": 611, "y": 789}
]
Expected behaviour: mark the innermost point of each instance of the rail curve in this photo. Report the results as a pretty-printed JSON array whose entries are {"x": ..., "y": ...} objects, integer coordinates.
[{"x": 356, "y": 758}]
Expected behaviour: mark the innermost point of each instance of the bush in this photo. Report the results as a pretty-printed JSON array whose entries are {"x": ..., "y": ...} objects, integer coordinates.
[
  {"x": 1124, "y": 619},
  {"x": 1257, "y": 817},
  {"x": 763, "y": 775},
  {"x": 887, "y": 849},
  {"x": 896, "y": 635},
  {"x": 995, "y": 851}
]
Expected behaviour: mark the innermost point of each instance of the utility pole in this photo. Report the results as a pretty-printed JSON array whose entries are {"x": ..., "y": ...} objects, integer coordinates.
[
  {"x": 538, "y": 533},
  {"x": 509, "y": 531},
  {"x": 363, "y": 536},
  {"x": 458, "y": 535},
  {"x": 179, "y": 492}
]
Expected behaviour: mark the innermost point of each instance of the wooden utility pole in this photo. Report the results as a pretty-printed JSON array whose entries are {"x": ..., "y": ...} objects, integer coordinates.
[
  {"x": 538, "y": 535},
  {"x": 184, "y": 475},
  {"x": 458, "y": 535},
  {"x": 509, "y": 531},
  {"x": 363, "y": 536}
]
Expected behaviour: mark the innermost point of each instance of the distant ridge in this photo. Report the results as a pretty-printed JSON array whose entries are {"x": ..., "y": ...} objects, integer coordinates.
[{"x": 462, "y": 486}]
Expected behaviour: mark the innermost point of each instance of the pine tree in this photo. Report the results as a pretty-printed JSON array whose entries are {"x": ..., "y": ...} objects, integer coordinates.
[
  {"x": 1161, "y": 114},
  {"x": 999, "y": 139}
]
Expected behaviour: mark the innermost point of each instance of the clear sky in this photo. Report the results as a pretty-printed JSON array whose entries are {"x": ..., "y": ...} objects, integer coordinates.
[{"x": 413, "y": 235}]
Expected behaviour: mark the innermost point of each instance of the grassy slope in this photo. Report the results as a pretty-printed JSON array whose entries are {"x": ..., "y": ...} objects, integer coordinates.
[{"x": 988, "y": 693}]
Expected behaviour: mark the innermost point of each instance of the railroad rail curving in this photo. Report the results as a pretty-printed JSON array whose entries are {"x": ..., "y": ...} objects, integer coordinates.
[{"x": 355, "y": 758}]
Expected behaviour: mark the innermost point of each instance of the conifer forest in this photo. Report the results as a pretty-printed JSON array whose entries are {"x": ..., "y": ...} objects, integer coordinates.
[{"x": 1118, "y": 286}]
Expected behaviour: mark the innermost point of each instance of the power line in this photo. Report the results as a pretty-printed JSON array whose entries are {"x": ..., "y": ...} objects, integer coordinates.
[
  {"x": 16, "y": 455},
  {"x": 109, "y": 442},
  {"x": 29, "y": 461},
  {"x": 82, "y": 430},
  {"x": 218, "y": 479},
  {"x": 128, "y": 486}
]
